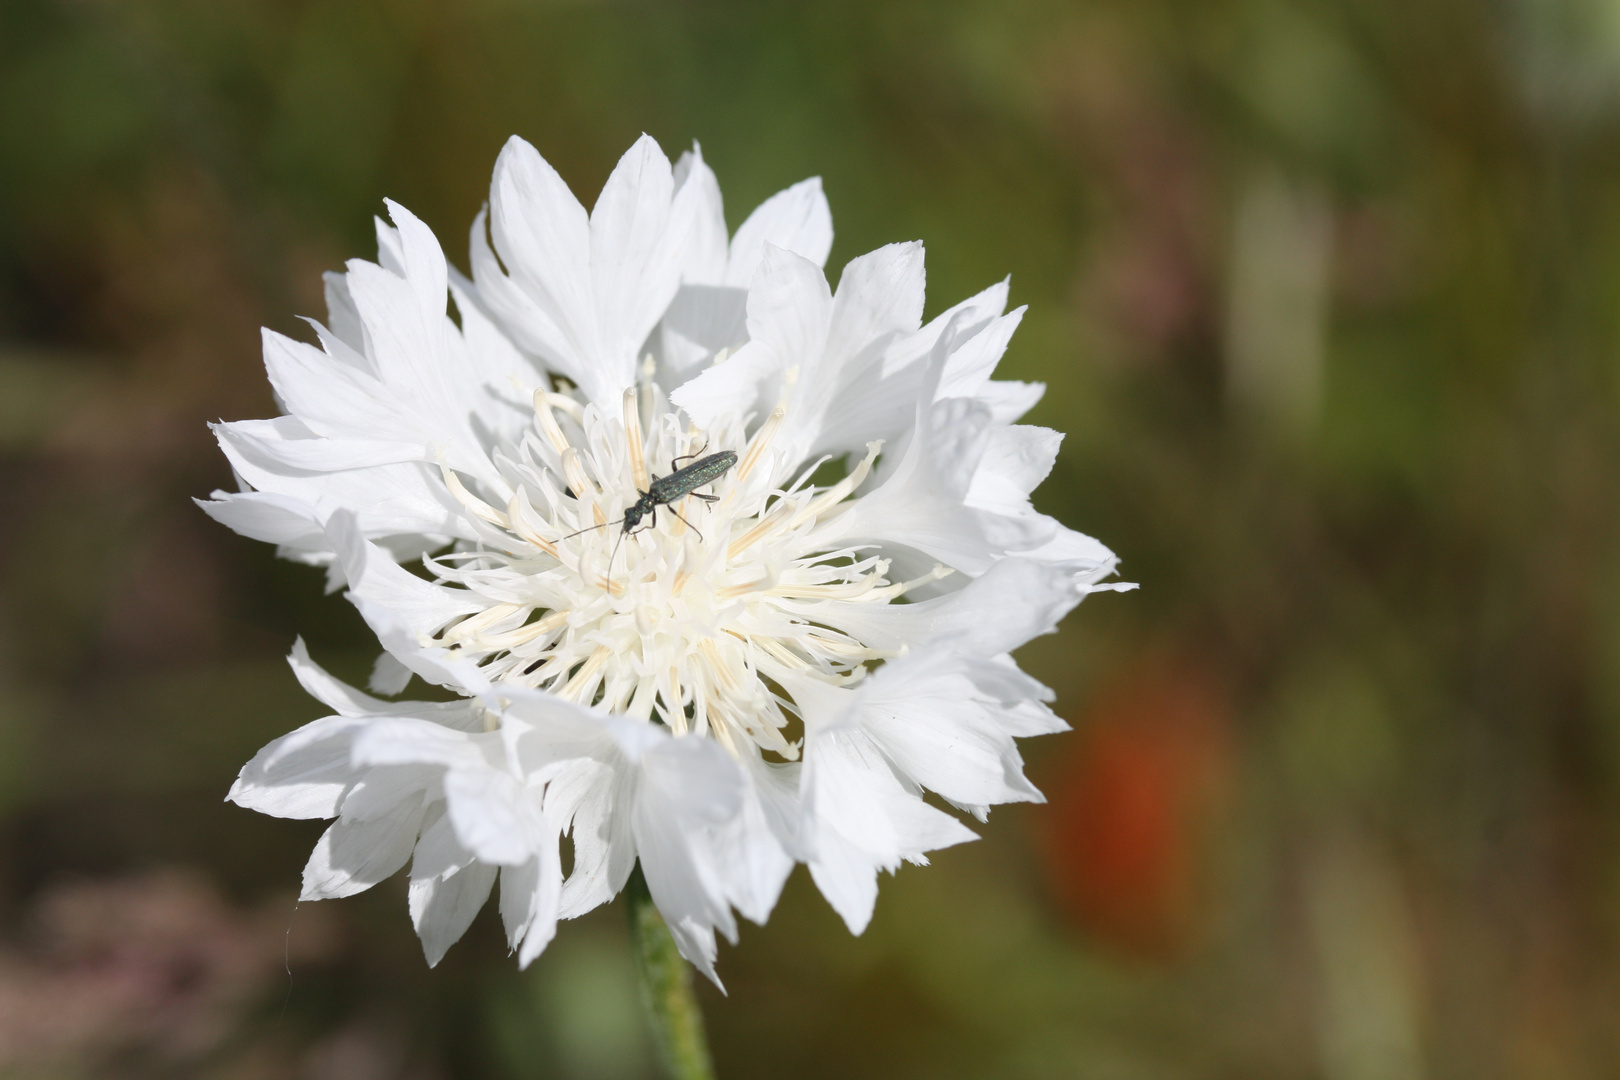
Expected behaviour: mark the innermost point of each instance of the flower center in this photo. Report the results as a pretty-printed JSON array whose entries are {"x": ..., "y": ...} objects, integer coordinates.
[{"x": 693, "y": 612}]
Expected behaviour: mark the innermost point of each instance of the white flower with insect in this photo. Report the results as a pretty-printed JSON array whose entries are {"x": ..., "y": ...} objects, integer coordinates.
[{"x": 726, "y": 564}]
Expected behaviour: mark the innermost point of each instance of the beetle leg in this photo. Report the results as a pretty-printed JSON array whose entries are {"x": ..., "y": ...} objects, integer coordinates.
[{"x": 688, "y": 524}]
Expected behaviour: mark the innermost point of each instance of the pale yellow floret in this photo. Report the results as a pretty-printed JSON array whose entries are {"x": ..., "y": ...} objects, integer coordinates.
[{"x": 652, "y": 626}]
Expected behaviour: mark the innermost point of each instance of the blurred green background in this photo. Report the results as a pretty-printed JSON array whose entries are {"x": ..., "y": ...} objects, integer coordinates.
[{"x": 1324, "y": 293}]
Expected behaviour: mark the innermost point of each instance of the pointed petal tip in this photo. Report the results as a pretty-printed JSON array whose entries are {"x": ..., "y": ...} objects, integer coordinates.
[
  {"x": 515, "y": 144},
  {"x": 706, "y": 969},
  {"x": 528, "y": 954},
  {"x": 398, "y": 214},
  {"x": 647, "y": 145},
  {"x": 857, "y": 921}
]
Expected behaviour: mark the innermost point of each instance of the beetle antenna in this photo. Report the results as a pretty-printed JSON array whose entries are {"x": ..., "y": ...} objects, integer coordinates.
[
  {"x": 592, "y": 528},
  {"x": 611, "y": 557}
]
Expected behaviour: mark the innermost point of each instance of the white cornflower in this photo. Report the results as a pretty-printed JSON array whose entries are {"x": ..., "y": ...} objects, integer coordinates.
[{"x": 718, "y": 675}]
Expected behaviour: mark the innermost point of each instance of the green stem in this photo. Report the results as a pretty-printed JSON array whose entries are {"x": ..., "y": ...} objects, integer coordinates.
[{"x": 666, "y": 989}]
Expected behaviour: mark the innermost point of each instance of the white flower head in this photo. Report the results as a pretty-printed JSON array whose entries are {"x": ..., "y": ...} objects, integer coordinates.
[{"x": 726, "y": 564}]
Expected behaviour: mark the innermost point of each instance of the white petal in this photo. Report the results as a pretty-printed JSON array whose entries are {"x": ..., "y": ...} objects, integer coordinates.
[
  {"x": 542, "y": 730},
  {"x": 287, "y": 442},
  {"x": 939, "y": 732},
  {"x": 789, "y": 312},
  {"x": 705, "y": 256},
  {"x": 1013, "y": 601},
  {"x": 352, "y": 856},
  {"x": 521, "y": 317},
  {"x": 843, "y": 397},
  {"x": 497, "y": 818},
  {"x": 341, "y": 316},
  {"x": 421, "y": 258},
  {"x": 789, "y": 305},
  {"x": 345, "y": 700},
  {"x": 275, "y": 519},
  {"x": 1016, "y": 459},
  {"x": 753, "y": 854},
  {"x": 543, "y": 236},
  {"x": 303, "y": 774},
  {"x": 634, "y": 271},
  {"x": 543, "y": 927},
  {"x": 688, "y": 792},
  {"x": 391, "y": 503},
  {"x": 965, "y": 319},
  {"x": 448, "y": 887},
  {"x": 868, "y": 405},
  {"x": 390, "y": 250},
  {"x": 864, "y": 819},
  {"x": 416, "y": 377},
  {"x": 1009, "y": 401},
  {"x": 701, "y": 320},
  {"x": 438, "y": 852},
  {"x": 443, "y": 908},
  {"x": 777, "y": 787},
  {"x": 379, "y": 790},
  {"x": 426, "y": 385},
  {"x": 388, "y": 675},
  {"x": 730, "y": 388},
  {"x": 972, "y": 361},
  {"x": 920, "y": 504},
  {"x": 1088, "y": 559},
  {"x": 509, "y": 377},
  {"x": 520, "y": 899},
  {"x": 400, "y": 607},
  {"x": 1022, "y": 698},
  {"x": 879, "y": 294},
  {"x": 404, "y": 741},
  {"x": 529, "y": 906},
  {"x": 583, "y": 799},
  {"x": 334, "y": 399},
  {"x": 797, "y": 220},
  {"x": 589, "y": 787},
  {"x": 847, "y": 877}
]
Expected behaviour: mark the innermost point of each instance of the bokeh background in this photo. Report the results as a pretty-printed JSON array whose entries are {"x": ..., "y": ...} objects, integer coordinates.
[{"x": 1325, "y": 296}]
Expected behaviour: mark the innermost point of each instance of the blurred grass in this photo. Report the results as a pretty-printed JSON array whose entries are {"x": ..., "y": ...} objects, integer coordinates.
[{"x": 1324, "y": 294}]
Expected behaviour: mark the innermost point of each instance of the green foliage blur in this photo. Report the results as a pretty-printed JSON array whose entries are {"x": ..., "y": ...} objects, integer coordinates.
[{"x": 1324, "y": 295}]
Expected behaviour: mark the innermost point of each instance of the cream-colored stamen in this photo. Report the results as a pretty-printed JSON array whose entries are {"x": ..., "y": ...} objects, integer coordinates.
[
  {"x": 586, "y": 674},
  {"x": 473, "y": 625},
  {"x": 525, "y": 634},
  {"x": 574, "y": 473},
  {"x": 632, "y": 434},
  {"x": 527, "y": 522},
  {"x": 547, "y": 422},
  {"x": 839, "y": 491},
  {"x": 473, "y": 503},
  {"x": 761, "y": 440},
  {"x": 764, "y": 527},
  {"x": 575, "y": 411}
]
